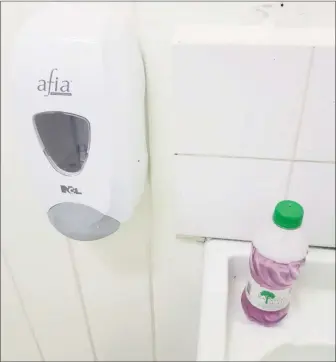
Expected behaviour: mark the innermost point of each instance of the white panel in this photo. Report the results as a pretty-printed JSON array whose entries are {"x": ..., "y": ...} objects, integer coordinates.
[
  {"x": 17, "y": 341},
  {"x": 238, "y": 100},
  {"x": 114, "y": 274},
  {"x": 226, "y": 197},
  {"x": 177, "y": 264},
  {"x": 317, "y": 135},
  {"x": 313, "y": 185},
  {"x": 178, "y": 284}
]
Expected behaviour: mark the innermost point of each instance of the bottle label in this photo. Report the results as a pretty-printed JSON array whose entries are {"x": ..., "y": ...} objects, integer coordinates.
[{"x": 267, "y": 299}]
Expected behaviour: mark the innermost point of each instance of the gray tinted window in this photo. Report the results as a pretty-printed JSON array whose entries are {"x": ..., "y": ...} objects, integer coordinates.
[{"x": 65, "y": 139}]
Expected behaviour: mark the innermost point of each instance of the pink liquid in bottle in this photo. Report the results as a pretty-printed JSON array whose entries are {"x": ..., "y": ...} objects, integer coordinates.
[
  {"x": 271, "y": 276},
  {"x": 275, "y": 262}
]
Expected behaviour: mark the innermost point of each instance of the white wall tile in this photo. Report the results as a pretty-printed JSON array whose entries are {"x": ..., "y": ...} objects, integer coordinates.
[
  {"x": 178, "y": 285},
  {"x": 17, "y": 341},
  {"x": 114, "y": 274},
  {"x": 313, "y": 185},
  {"x": 238, "y": 100},
  {"x": 317, "y": 135},
  {"x": 226, "y": 197}
]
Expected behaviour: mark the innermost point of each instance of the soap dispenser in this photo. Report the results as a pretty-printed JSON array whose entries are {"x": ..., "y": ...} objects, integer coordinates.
[{"x": 79, "y": 90}]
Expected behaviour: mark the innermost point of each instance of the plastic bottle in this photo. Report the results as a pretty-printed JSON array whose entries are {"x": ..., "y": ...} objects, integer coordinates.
[{"x": 278, "y": 253}]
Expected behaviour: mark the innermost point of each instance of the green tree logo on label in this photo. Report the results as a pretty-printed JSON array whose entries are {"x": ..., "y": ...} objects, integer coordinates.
[{"x": 267, "y": 295}]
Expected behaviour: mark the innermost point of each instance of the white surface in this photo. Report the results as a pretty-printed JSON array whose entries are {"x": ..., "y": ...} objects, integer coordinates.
[
  {"x": 214, "y": 300},
  {"x": 317, "y": 134},
  {"x": 17, "y": 341},
  {"x": 313, "y": 185},
  {"x": 224, "y": 328},
  {"x": 238, "y": 100},
  {"x": 217, "y": 196},
  {"x": 268, "y": 35},
  {"x": 302, "y": 352},
  {"x": 100, "y": 58},
  {"x": 177, "y": 265},
  {"x": 114, "y": 274}
]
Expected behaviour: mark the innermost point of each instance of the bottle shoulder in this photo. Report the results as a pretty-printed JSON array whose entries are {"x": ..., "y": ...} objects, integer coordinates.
[{"x": 281, "y": 245}]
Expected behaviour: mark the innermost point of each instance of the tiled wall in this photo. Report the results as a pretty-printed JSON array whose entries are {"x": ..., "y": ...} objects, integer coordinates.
[
  {"x": 256, "y": 124},
  {"x": 70, "y": 301},
  {"x": 177, "y": 263}
]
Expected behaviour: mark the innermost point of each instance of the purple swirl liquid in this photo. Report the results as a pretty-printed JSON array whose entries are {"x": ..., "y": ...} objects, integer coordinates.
[{"x": 270, "y": 275}]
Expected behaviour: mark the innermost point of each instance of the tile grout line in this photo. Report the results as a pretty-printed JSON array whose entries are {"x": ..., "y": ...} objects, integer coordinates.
[
  {"x": 201, "y": 296},
  {"x": 25, "y": 313},
  {"x": 151, "y": 295},
  {"x": 138, "y": 31},
  {"x": 252, "y": 158},
  {"x": 81, "y": 298},
  {"x": 299, "y": 126}
]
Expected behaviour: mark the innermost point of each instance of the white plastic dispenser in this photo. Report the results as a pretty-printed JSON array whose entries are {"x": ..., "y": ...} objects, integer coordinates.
[{"x": 79, "y": 92}]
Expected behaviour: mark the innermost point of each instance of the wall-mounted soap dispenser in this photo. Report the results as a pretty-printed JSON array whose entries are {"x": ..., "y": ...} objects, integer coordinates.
[{"x": 79, "y": 96}]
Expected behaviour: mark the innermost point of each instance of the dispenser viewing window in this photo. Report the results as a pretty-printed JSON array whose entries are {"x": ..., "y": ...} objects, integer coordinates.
[
  {"x": 65, "y": 139},
  {"x": 80, "y": 88}
]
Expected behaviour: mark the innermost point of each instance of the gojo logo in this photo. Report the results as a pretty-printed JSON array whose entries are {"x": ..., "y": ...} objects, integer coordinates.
[{"x": 70, "y": 190}]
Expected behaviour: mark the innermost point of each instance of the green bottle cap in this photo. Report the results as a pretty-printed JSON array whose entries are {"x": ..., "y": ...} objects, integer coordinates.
[{"x": 288, "y": 214}]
